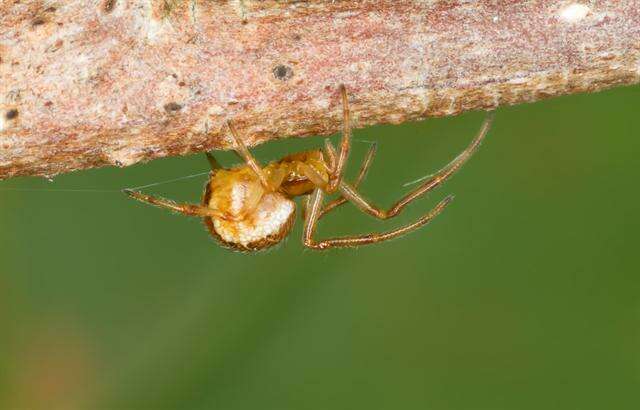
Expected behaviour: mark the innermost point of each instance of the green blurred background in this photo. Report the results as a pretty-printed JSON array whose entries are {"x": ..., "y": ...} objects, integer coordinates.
[{"x": 523, "y": 294}]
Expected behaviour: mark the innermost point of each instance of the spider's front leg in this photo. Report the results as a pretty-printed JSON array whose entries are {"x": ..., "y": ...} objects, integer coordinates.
[
  {"x": 351, "y": 193},
  {"x": 338, "y": 163},
  {"x": 315, "y": 210}
]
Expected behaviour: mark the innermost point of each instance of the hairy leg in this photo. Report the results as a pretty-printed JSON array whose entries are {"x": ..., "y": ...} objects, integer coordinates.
[
  {"x": 351, "y": 193},
  {"x": 313, "y": 212},
  {"x": 364, "y": 168},
  {"x": 185, "y": 209},
  {"x": 252, "y": 162},
  {"x": 345, "y": 145}
]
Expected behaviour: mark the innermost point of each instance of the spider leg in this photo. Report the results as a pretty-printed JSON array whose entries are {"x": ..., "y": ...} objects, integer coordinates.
[
  {"x": 185, "y": 209},
  {"x": 317, "y": 180},
  {"x": 443, "y": 174},
  {"x": 252, "y": 162},
  {"x": 351, "y": 193},
  {"x": 345, "y": 145},
  {"x": 331, "y": 153},
  {"x": 364, "y": 168},
  {"x": 314, "y": 207}
]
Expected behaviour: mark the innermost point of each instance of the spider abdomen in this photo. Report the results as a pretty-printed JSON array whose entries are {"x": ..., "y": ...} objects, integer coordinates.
[{"x": 263, "y": 227}]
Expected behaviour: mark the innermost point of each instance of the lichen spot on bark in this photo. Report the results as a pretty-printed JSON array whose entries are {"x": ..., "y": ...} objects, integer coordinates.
[
  {"x": 11, "y": 114},
  {"x": 172, "y": 107},
  {"x": 108, "y": 6},
  {"x": 282, "y": 72},
  {"x": 38, "y": 21},
  {"x": 8, "y": 118}
]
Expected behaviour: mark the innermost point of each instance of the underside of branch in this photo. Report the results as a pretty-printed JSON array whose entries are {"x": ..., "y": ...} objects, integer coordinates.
[{"x": 114, "y": 82}]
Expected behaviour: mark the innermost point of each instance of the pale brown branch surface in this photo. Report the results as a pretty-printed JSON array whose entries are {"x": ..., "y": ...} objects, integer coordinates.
[{"x": 114, "y": 82}]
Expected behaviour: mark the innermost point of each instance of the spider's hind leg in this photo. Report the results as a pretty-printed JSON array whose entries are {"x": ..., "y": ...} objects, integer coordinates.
[
  {"x": 185, "y": 209},
  {"x": 314, "y": 207}
]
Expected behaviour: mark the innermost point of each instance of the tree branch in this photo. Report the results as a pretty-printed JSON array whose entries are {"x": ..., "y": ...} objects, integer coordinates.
[{"x": 85, "y": 85}]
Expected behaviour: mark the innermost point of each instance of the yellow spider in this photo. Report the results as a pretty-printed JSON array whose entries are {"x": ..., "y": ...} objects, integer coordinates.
[{"x": 250, "y": 207}]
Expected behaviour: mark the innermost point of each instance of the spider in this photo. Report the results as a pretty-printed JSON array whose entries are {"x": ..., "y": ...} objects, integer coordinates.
[{"x": 250, "y": 207}]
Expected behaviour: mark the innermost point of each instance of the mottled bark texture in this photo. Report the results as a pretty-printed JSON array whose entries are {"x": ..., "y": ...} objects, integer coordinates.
[{"x": 113, "y": 82}]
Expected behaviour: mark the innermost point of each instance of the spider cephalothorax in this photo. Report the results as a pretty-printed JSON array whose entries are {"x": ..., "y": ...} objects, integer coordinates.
[{"x": 250, "y": 207}]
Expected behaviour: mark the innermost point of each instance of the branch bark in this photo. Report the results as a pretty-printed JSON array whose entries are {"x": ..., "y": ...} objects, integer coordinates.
[{"x": 85, "y": 85}]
